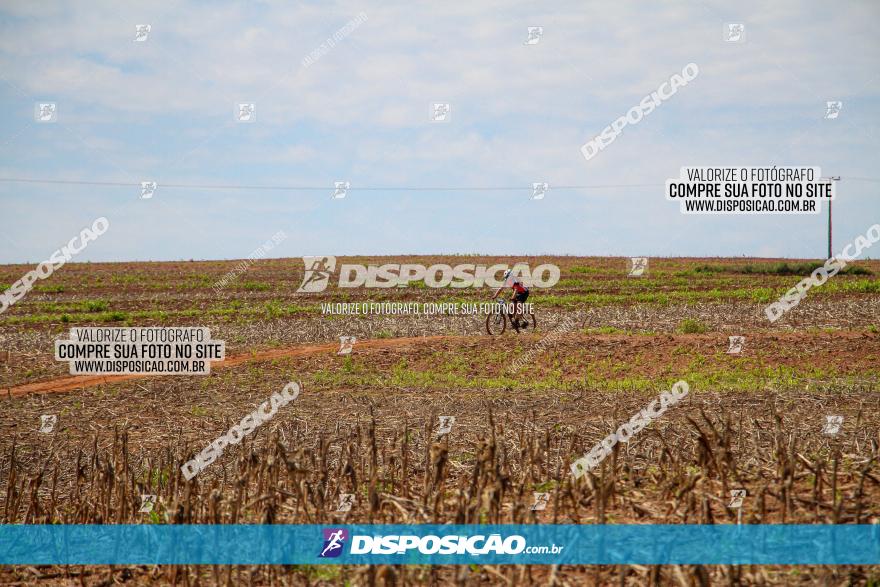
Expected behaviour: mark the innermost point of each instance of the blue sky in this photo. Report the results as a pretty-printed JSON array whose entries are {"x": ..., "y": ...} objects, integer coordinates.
[{"x": 163, "y": 110}]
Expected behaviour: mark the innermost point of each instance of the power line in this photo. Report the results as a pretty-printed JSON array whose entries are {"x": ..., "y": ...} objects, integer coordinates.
[
  {"x": 872, "y": 179},
  {"x": 317, "y": 188},
  {"x": 352, "y": 188},
  {"x": 65, "y": 181}
]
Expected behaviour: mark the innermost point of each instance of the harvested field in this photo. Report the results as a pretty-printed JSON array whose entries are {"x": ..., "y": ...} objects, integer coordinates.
[{"x": 367, "y": 423}]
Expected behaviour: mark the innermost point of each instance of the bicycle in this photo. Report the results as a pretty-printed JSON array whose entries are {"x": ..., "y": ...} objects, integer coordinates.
[{"x": 496, "y": 321}]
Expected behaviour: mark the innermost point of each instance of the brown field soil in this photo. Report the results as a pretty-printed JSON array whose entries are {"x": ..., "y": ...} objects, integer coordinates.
[
  {"x": 526, "y": 406},
  {"x": 83, "y": 381},
  {"x": 655, "y": 356}
]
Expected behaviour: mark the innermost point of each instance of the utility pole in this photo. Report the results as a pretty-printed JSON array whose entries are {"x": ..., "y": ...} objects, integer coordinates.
[{"x": 833, "y": 179}]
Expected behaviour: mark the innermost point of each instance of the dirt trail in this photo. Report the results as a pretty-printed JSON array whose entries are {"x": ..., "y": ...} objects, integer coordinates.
[
  {"x": 853, "y": 349},
  {"x": 83, "y": 381}
]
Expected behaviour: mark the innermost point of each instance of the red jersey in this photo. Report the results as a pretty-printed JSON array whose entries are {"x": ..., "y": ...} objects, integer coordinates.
[{"x": 518, "y": 286}]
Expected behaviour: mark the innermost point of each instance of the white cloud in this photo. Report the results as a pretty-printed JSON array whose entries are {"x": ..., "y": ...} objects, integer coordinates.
[{"x": 163, "y": 108}]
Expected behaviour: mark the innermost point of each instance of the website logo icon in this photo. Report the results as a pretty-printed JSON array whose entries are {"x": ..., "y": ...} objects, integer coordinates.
[
  {"x": 334, "y": 541},
  {"x": 317, "y": 273}
]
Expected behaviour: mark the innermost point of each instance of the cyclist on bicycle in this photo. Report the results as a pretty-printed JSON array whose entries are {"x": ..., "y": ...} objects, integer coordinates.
[{"x": 520, "y": 294}]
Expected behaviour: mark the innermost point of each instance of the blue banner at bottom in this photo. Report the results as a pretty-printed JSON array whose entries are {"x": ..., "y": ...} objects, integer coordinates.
[{"x": 439, "y": 544}]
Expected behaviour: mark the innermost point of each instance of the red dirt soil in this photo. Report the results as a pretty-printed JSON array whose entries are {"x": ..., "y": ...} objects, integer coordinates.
[
  {"x": 846, "y": 351},
  {"x": 84, "y": 381}
]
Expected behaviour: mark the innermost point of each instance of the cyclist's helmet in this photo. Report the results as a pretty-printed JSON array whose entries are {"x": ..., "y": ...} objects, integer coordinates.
[{"x": 507, "y": 274}]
